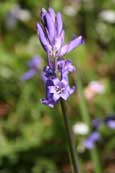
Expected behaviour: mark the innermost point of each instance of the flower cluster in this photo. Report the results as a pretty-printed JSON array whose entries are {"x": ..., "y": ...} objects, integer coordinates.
[{"x": 55, "y": 74}]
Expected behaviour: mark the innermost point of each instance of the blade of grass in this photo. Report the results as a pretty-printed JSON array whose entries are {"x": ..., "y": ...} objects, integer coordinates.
[{"x": 86, "y": 118}]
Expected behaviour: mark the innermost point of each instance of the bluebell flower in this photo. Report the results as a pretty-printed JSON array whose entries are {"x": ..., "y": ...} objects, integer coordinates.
[
  {"x": 48, "y": 100},
  {"x": 34, "y": 64},
  {"x": 48, "y": 73},
  {"x": 60, "y": 89},
  {"x": 92, "y": 139},
  {"x": 55, "y": 74},
  {"x": 65, "y": 66},
  {"x": 57, "y": 88}
]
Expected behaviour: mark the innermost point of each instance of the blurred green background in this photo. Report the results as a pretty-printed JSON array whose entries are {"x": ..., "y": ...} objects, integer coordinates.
[{"x": 32, "y": 136}]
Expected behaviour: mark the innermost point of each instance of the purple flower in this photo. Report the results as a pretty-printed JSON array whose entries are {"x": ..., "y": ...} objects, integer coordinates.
[
  {"x": 55, "y": 74},
  {"x": 65, "y": 66},
  {"x": 51, "y": 34},
  {"x": 34, "y": 65},
  {"x": 71, "y": 45},
  {"x": 92, "y": 139},
  {"x": 60, "y": 89},
  {"x": 111, "y": 124},
  {"x": 48, "y": 73},
  {"x": 97, "y": 123},
  {"x": 57, "y": 88},
  {"x": 49, "y": 101},
  {"x": 110, "y": 121}
]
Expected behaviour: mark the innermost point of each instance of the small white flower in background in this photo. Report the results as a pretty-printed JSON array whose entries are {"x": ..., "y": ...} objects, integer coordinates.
[
  {"x": 70, "y": 10},
  {"x": 108, "y": 16},
  {"x": 80, "y": 128},
  {"x": 93, "y": 88},
  {"x": 24, "y": 15}
]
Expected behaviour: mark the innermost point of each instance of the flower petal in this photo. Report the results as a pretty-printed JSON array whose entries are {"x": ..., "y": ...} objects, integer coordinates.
[
  {"x": 42, "y": 14},
  {"x": 43, "y": 39},
  {"x": 71, "y": 45},
  {"x": 50, "y": 27},
  {"x": 56, "y": 81},
  {"x": 111, "y": 124},
  {"x": 56, "y": 97},
  {"x": 59, "y": 23},
  {"x": 47, "y": 102},
  {"x": 51, "y": 89},
  {"x": 64, "y": 95},
  {"x": 35, "y": 62},
  {"x": 52, "y": 14},
  {"x": 29, "y": 74}
]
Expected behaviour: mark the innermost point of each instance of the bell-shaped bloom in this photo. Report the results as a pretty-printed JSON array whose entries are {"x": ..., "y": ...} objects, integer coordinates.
[
  {"x": 60, "y": 89},
  {"x": 65, "y": 66},
  {"x": 57, "y": 82},
  {"x": 48, "y": 73},
  {"x": 34, "y": 65},
  {"x": 49, "y": 101},
  {"x": 92, "y": 139},
  {"x": 51, "y": 34}
]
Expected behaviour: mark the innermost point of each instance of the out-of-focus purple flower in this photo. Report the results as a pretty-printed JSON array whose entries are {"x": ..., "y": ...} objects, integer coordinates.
[
  {"x": 97, "y": 123},
  {"x": 111, "y": 124},
  {"x": 60, "y": 89},
  {"x": 34, "y": 65},
  {"x": 51, "y": 34},
  {"x": 28, "y": 75},
  {"x": 92, "y": 139},
  {"x": 16, "y": 13},
  {"x": 110, "y": 121}
]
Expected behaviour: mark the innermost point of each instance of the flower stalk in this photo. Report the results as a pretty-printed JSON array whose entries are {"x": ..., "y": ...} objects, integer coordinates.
[{"x": 73, "y": 152}]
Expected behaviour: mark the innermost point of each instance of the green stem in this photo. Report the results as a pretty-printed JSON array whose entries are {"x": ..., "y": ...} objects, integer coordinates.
[
  {"x": 48, "y": 3},
  {"x": 73, "y": 152},
  {"x": 86, "y": 119}
]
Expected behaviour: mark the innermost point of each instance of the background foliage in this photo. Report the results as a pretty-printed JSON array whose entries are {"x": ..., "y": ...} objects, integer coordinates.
[{"x": 32, "y": 136}]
